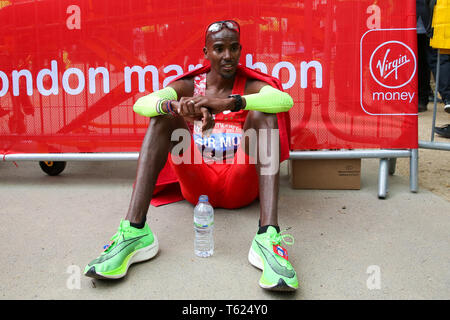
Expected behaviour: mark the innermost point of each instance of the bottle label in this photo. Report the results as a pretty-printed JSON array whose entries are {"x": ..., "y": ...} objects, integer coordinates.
[{"x": 201, "y": 225}]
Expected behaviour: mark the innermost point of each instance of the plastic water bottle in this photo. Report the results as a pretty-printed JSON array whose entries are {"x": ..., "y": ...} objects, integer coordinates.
[{"x": 203, "y": 226}]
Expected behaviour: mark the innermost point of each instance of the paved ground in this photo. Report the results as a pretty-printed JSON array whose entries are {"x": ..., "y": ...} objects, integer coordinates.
[{"x": 52, "y": 226}]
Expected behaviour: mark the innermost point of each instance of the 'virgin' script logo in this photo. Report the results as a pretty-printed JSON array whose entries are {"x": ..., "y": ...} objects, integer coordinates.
[{"x": 392, "y": 64}]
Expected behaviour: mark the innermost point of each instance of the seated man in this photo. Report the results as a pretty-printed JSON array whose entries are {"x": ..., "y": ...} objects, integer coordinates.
[{"x": 220, "y": 99}]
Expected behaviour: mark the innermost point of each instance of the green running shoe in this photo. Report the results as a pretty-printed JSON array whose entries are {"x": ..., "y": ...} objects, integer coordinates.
[
  {"x": 129, "y": 245},
  {"x": 267, "y": 254}
]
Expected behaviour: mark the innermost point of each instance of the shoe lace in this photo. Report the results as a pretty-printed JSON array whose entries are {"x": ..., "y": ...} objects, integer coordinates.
[
  {"x": 276, "y": 238},
  {"x": 114, "y": 238}
]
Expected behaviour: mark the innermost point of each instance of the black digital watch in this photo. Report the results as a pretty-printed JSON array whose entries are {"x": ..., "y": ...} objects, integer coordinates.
[{"x": 238, "y": 102}]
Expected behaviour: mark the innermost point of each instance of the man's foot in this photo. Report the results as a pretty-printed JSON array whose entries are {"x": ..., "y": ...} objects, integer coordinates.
[
  {"x": 129, "y": 245},
  {"x": 443, "y": 131},
  {"x": 267, "y": 254}
]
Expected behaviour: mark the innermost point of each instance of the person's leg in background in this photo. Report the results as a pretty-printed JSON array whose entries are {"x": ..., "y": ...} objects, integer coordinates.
[
  {"x": 444, "y": 85},
  {"x": 423, "y": 72},
  {"x": 444, "y": 73},
  {"x": 445, "y": 88}
]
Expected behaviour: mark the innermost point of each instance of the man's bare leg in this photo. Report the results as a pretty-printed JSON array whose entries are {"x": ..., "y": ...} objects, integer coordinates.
[
  {"x": 279, "y": 275},
  {"x": 138, "y": 243},
  {"x": 152, "y": 158},
  {"x": 268, "y": 183}
]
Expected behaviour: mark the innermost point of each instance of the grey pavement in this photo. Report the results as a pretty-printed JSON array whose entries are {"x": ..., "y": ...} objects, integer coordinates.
[{"x": 348, "y": 244}]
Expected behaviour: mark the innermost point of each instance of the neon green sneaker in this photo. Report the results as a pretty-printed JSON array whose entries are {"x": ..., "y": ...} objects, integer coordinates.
[
  {"x": 129, "y": 245},
  {"x": 267, "y": 254}
]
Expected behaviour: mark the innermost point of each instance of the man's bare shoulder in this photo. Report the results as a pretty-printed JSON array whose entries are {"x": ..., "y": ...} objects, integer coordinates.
[
  {"x": 254, "y": 86},
  {"x": 184, "y": 87}
]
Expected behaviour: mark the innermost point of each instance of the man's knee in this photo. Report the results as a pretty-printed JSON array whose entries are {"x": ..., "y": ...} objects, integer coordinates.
[
  {"x": 161, "y": 122},
  {"x": 261, "y": 133},
  {"x": 167, "y": 124},
  {"x": 166, "y": 129},
  {"x": 261, "y": 120}
]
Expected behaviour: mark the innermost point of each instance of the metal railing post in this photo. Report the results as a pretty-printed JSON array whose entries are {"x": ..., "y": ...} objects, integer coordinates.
[
  {"x": 414, "y": 171},
  {"x": 383, "y": 174}
]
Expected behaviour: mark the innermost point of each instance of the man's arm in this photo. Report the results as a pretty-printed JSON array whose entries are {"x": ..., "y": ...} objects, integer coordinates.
[
  {"x": 176, "y": 98},
  {"x": 258, "y": 96},
  {"x": 155, "y": 103},
  {"x": 151, "y": 104}
]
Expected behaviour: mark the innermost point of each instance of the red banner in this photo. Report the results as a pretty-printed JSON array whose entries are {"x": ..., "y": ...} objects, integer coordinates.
[{"x": 70, "y": 71}]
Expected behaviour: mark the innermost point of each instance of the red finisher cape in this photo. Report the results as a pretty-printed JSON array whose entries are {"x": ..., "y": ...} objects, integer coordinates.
[{"x": 167, "y": 189}]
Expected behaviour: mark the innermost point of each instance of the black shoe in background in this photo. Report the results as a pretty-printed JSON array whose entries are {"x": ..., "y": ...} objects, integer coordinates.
[
  {"x": 447, "y": 106},
  {"x": 443, "y": 131}
]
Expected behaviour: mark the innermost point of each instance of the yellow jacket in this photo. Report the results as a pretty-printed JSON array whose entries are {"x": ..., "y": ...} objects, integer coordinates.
[{"x": 441, "y": 26}]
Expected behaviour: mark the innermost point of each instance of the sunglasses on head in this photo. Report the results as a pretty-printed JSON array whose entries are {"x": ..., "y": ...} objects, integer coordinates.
[{"x": 219, "y": 25}]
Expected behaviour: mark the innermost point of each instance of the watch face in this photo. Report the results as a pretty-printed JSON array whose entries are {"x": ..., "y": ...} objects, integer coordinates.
[{"x": 238, "y": 103}]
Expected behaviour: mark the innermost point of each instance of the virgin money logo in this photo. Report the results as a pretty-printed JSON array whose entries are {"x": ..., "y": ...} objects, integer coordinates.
[{"x": 392, "y": 64}]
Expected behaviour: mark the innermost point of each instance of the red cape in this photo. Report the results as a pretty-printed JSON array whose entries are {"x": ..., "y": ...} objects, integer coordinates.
[{"x": 167, "y": 188}]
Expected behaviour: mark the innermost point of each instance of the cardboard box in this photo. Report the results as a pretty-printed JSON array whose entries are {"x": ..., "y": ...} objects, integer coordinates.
[{"x": 325, "y": 174}]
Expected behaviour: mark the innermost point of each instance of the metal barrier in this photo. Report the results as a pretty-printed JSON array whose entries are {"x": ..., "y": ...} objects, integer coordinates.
[
  {"x": 387, "y": 163},
  {"x": 387, "y": 160},
  {"x": 77, "y": 41}
]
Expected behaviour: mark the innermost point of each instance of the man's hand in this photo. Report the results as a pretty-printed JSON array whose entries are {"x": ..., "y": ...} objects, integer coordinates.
[
  {"x": 207, "y": 119},
  {"x": 214, "y": 105},
  {"x": 191, "y": 106},
  {"x": 187, "y": 108}
]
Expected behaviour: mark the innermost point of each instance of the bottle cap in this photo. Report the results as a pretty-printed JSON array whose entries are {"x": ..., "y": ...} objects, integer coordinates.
[{"x": 203, "y": 198}]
